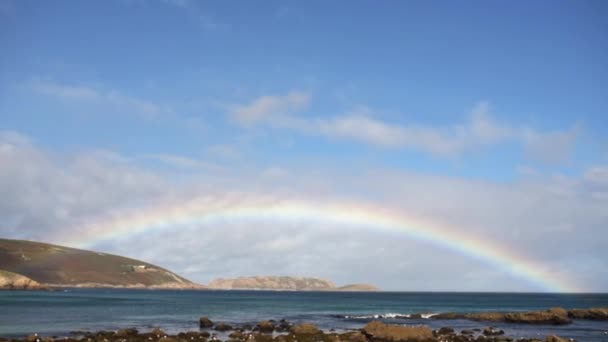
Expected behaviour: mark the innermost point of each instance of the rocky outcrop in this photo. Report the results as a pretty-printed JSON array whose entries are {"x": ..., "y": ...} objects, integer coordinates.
[
  {"x": 378, "y": 331},
  {"x": 551, "y": 316},
  {"x": 14, "y": 281},
  {"x": 598, "y": 314},
  {"x": 284, "y": 283}
]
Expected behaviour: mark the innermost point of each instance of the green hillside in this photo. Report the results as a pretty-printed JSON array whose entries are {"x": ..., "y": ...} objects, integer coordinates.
[{"x": 63, "y": 266}]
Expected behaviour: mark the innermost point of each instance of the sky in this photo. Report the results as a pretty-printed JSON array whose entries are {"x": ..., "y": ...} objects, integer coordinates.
[{"x": 123, "y": 122}]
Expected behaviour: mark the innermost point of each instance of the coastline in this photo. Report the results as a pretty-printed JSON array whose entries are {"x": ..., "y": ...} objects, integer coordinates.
[{"x": 285, "y": 331}]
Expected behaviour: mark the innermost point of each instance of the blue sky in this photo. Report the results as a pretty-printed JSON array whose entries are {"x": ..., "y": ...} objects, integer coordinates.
[{"x": 492, "y": 92}]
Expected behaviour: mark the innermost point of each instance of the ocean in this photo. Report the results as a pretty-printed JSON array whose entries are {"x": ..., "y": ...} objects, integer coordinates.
[{"x": 60, "y": 312}]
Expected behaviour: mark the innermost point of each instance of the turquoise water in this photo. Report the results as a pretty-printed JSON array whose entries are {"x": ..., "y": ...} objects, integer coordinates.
[{"x": 59, "y": 312}]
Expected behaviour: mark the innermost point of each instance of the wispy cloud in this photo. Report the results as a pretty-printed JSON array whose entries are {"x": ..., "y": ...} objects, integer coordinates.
[
  {"x": 144, "y": 108},
  {"x": 479, "y": 130},
  {"x": 270, "y": 108},
  {"x": 183, "y": 162}
]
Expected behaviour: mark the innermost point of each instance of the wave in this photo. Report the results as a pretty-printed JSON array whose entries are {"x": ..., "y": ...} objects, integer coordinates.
[{"x": 387, "y": 315}]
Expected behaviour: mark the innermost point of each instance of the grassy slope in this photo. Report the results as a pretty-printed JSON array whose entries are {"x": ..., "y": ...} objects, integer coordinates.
[{"x": 51, "y": 264}]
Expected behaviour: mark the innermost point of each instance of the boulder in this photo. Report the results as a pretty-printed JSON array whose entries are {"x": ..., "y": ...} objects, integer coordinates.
[
  {"x": 304, "y": 329},
  {"x": 379, "y": 331},
  {"x": 265, "y": 326},
  {"x": 205, "y": 322},
  {"x": 555, "y": 338},
  {"x": 551, "y": 316}
]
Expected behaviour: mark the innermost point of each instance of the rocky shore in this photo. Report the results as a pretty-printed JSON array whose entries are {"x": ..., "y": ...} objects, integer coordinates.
[{"x": 374, "y": 331}]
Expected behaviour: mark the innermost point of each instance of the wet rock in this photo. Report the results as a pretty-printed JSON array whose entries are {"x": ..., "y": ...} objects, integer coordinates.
[
  {"x": 304, "y": 329},
  {"x": 467, "y": 332},
  {"x": 486, "y": 316},
  {"x": 551, "y": 316},
  {"x": 491, "y": 331},
  {"x": 265, "y": 326},
  {"x": 356, "y": 336},
  {"x": 414, "y": 316},
  {"x": 598, "y": 314},
  {"x": 444, "y": 331},
  {"x": 222, "y": 327},
  {"x": 379, "y": 331},
  {"x": 555, "y": 338},
  {"x": 448, "y": 315},
  {"x": 205, "y": 322},
  {"x": 283, "y": 326}
]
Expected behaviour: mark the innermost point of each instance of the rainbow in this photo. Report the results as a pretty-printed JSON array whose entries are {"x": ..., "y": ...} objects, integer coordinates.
[{"x": 207, "y": 211}]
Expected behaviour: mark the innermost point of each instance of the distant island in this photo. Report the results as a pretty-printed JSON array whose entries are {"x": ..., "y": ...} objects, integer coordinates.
[
  {"x": 29, "y": 265},
  {"x": 285, "y": 283}
]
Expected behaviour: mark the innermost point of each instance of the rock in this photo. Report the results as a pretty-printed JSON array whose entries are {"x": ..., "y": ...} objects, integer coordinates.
[
  {"x": 598, "y": 314},
  {"x": 467, "y": 332},
  {"x": 158, "y": 332},
  {"x": 379, "y": 331},
  {"x": 486, "y": 316},
  {"x": 353, "y": 337},
  {"x": 126, "y": 332},
  {"x": 555, "y": 338},
  {"x": 445, "y": 331},
  {"x": 167, "y": 339},
  {"x": 260, "y": 337},
  {"x": 491, "y": 331},
  {"x": 447, "y": 315},
  {"x": 33, "y": 338},
  {"x": 304, "y": 329},
  {"x": 237, "y": 335},
  {"x": 205, "y": 322},
  {"x": 551, "y": 316},
  {"x": 265, "y": 326},
  {"x": 222, "y": 327}
]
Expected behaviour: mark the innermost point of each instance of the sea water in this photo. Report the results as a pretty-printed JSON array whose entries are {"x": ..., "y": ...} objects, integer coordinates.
[{"x": 63, "y": 311}]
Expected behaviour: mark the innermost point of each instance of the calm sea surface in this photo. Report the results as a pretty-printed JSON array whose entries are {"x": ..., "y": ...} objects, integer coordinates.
[{"x": 59, "y": 312}]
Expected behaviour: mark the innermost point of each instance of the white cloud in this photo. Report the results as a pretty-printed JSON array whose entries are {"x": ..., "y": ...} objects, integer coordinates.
[
  {"x": 480, "y": 130},
  {"x": 270, "y": 108},
  {"x": 144, "y": 108},
  {"x": 557, "y": 221}
]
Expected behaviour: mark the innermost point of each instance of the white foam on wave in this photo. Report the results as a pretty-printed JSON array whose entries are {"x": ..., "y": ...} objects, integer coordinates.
[{"x": 389, "y": 315}]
